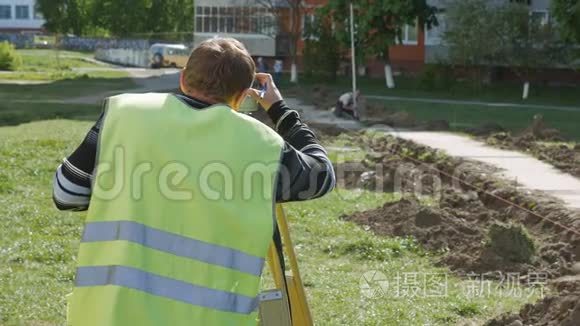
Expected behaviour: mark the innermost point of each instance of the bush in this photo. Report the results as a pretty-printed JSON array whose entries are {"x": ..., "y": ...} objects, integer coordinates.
[
  {"x": 512, "y": 242},
  {"x": 437, "y": 77},
  {"x": 9, "y": 58},
  {"x": 322, "y": 55}
]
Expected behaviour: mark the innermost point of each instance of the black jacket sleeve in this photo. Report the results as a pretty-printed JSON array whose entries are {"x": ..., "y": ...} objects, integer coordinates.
[{"x": 306, "y": 171}]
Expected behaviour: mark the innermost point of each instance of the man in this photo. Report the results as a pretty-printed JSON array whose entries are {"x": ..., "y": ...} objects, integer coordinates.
[
  {"x": 278, "y": 66},
  {"x": 345, "y": 107},
  {"x": 180, "y": 191},
  {"x": 261, "y": 66}
]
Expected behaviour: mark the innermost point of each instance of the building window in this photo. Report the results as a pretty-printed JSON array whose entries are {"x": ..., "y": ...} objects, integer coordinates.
[
  {"x": 540, "y": 16},
  {"x": 5, "y": 12},
  {"x": 22, "y": 12},
  {"x": 410, "y": 34},
  {"x": 308, "y": 25},
  {"x": 253, "y": 20}
]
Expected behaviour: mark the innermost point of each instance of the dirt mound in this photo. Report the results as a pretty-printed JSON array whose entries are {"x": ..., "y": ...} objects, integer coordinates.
[
  {"x": 565, "y": 157},
  {"x": 435, "y": 228},
  {"x": 323, "y": 98},
  {"x": 486, "y": 129},
  {"x": 436, "y": 125},
  {"x": 381, "y": 114},
  {"x": 484, "y": 232},
  {"x": 467, "y": 234},
  {"x": 540, "y": 141},
  {"x": 538, "y": 130},
  {"x": 562, "y": 309}
]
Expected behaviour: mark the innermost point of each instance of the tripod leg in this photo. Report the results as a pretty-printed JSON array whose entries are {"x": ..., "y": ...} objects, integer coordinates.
[{"x": 300, "y": 311}]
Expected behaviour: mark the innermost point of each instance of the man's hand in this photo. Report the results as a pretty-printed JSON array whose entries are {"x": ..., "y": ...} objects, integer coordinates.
[{"x": 271, "y": 92}]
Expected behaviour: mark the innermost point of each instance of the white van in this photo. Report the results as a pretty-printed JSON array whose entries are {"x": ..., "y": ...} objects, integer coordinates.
[{"x": 168, "y": 55}]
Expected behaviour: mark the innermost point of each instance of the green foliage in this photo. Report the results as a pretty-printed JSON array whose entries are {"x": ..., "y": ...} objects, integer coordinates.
[
  {"x": 512, "y": 242},
  {"x": 468, "y": 309},
  {"x": 470, "y": 39},
  {"x": 9, "y": 58},
  {"x": 524, "y": 43},
  {"x": 567, "y": 13},
  {"x": 372, "y": 248},
  {"x": 129, "y": 17},
  {"x": 322, "y": 54},
  {"x": 480, "y": 35},
  {"x": 437, "y": 76},
  {"x": 118, "y": 18},
  {"x": 378, "y": 24},
  {"x": 65, "y": 16}
]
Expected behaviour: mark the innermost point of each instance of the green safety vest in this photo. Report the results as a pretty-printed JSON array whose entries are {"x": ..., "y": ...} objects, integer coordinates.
[{"x": 180, "y": 218}]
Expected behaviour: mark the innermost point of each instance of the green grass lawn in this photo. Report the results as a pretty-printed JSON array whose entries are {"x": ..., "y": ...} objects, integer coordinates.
[
  {"x": 25, "y": 103},
  {"x": 53, "y": 65},
  {"x": 461, "y": 90},
  {"x": 461, "y": 116},
  {"x": 38, "y": 245},
  {"x": 17, "y": 113},
  {"x": 63, "y": 89}
]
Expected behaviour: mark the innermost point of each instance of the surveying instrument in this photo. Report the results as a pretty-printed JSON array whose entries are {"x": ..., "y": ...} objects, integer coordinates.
[{"x": 286, "y": 305}]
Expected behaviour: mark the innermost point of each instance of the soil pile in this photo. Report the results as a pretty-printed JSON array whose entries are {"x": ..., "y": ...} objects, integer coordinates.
[
  {"x": 474, "y": 223},
  {"x": 565, "y": 157},
  {"x": 562, "y": 309},
  {"x": 470, "y": 237},
  {"x": 541, "y": 142}
]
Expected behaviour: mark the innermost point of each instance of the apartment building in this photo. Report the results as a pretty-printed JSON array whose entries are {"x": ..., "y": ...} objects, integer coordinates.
[
  {"x": 246, "y": 20},
  {"x": 20, "y": 16},
  {"x": 264, "y": 35}
]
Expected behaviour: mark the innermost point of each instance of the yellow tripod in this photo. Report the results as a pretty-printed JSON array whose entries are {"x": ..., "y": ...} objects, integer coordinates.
[{"x": 286, "y": 306}]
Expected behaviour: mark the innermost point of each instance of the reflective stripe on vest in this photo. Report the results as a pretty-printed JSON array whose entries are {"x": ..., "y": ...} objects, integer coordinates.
[
  {"x": 164, "y": 287},
  {"x": 173, "y": 244}
]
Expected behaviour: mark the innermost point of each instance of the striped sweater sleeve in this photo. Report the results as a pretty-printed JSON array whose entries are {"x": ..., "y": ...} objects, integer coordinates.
[
  {"x": 307, "y": 172},
  {"x": 72, "y": 181}
]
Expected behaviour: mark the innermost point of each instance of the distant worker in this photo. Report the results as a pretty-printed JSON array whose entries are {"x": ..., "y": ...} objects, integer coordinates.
[
  {"x": 261, "y": 65},
  {"x": 345, "y": 106},
  {"x": 278, "y": 66},
  {"x": 180, "y": 192}
]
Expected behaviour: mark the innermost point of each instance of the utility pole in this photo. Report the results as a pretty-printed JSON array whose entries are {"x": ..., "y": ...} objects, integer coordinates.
[
  {"x": 353, "y": 58},
  {"x": 194, "y": 24}
]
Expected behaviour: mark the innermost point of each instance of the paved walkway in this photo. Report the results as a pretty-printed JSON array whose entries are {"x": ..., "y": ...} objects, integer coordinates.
[
  {"x": 526, "y": 170},
  {"x": 478, "y": 103}
]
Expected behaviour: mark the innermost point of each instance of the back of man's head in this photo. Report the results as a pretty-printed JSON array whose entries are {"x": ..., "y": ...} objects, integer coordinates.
[{"x": 219, "y": 68}]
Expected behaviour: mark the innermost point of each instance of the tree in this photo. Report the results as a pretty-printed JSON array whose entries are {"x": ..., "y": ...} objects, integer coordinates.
[
  {"x": 322, "y": 53},
  {"x": 118, "y": 18},
  {"x": 170, "y": 17},
  {"x": 378, "y": 25},
  {"x": 481, "y": 35},
  {"x": 65, "y": 16},
  {"x": 288, "y": 15},
  {"x": 469, "y": 36},
  {"x": 122, "y": 18},
  {"x": 567, "y": 14},
  {"x": 525, "y": 44}
]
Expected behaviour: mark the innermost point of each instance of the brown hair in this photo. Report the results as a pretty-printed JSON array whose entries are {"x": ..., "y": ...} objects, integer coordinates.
[{"x": 219, "y": 68}]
